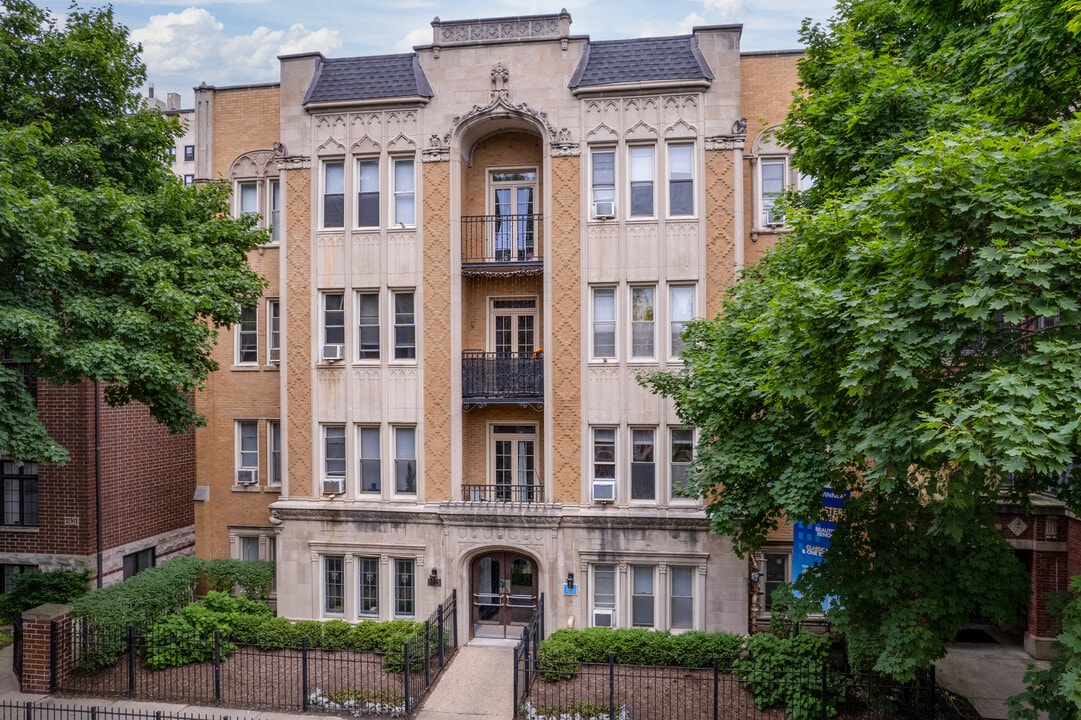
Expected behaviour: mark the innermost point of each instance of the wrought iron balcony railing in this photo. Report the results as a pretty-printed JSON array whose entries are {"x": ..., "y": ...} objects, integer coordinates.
[
  {"x": 526, "y": 493},
  {"x": 501, "y": 239},
  {"x": 508, "y": 377}
]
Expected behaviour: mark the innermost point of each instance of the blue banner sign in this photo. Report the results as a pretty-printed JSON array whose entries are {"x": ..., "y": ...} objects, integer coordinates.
[{"x": 810, "y": 542}]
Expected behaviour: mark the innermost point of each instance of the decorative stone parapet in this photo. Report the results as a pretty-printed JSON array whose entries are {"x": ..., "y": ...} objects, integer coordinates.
[{"x": 508, "y": 29}]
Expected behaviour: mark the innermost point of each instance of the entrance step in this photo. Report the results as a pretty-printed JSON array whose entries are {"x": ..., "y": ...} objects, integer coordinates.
[
  {"x": 477, "y": 684},
  {"x": 508, "y": 632}
]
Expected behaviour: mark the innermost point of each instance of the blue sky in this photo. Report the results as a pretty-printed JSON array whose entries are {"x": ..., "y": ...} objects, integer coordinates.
[{"x": 236, "y": 42}]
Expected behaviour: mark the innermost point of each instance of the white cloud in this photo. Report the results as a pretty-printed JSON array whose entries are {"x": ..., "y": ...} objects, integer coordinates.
[
  {"x": 420, "y": 36},
  {"x": 183, "y": 49},
  {"x": 723, "y": 10}
]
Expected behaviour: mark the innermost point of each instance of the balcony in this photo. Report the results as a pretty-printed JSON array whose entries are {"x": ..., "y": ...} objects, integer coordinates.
[
  {"x": 524, "y": 493},
  {"x": 492, "y": 378},
  {"x": 507, "y": 241}
]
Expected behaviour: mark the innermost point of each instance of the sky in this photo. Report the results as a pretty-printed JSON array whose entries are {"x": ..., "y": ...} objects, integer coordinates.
[{"x": 237, "y": 42}]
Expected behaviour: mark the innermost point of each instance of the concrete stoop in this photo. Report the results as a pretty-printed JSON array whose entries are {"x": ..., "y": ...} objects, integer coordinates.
[{"x": 478, "y": 683}]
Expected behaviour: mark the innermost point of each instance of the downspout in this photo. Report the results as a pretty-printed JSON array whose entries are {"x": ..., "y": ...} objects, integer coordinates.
[{"x": 97, "y": 474}]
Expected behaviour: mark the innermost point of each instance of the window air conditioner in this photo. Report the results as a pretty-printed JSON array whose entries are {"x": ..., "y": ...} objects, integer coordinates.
[
  {"x": 604, "y": 209},
  {"x": 604, "y": 617},
  {"x": 333, "y": 486},
  {"x": 333, "y": 353},
  {"x": 604, "y": 491},
  {"x": 247, "y": 476},
  {"x": 274, "y": 355},
  {"x": 772, "y": 219}
]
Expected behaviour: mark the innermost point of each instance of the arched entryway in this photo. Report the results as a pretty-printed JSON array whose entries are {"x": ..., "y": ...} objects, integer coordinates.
[{"x": 503, "y": 592}]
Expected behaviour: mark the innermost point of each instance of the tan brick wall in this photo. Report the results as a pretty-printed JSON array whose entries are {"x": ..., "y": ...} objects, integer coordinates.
[
  {"x": 720, "y": 253},
  {"x": 244, "y": 119},
  {"x": 504, "y": 150},
  {"x": 436, "y": 330},
  {"x": 297, "y": 325},
  {"x": 477, "y": 450},
  {"x": 475, "y": 294},
  {"x": 566, "y": 350}
]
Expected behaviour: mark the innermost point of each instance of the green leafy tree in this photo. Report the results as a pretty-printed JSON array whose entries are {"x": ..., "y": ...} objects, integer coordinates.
[
  {"x": 110, "y": 269},
  {"x": 916, "y": 339}
]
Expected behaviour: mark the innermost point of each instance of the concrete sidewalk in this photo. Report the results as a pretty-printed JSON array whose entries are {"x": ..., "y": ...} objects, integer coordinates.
[
  {"x": 478, "y": 684},
  {"x": 985, "y": 674}
]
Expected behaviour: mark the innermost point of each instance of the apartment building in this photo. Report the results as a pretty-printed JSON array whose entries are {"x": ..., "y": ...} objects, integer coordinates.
[
  {"x": 477, "y": 247},
  {"x": 182, "y": 154}
]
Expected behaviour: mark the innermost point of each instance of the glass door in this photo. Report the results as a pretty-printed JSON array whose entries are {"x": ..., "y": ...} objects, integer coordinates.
[
  {"x": 504, "y": 589},
  {"x": 513, "y": 208}
]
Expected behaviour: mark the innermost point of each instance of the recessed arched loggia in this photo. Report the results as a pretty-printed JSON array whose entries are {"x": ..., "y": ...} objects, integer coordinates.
[{"x": 503, "y": 592}]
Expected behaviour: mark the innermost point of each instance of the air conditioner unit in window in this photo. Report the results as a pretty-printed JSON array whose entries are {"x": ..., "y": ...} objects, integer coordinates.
[
  {"x": 274, "y": 355},
  {"x": 333, "y": 353},
  {"x": 604, "y": 209},
  {"x": 772, "y": 219},
  {"x": 333, "y": 486},
  {"x": 604, "y": 491},
  {"x": 604, "y": 617},
  {"x": 247, "y": 476}
]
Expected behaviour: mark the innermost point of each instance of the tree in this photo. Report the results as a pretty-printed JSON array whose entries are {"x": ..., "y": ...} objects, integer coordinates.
[
  {"x": 110, "y": 269},
  {"x": 915, "y": 340}
]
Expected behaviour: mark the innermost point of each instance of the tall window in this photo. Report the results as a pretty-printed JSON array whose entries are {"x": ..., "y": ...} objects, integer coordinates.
[
  {"x": 404, "y": 192},
  {"x": 370, "y": 468},
  {"x": 368, "y": 586},
  {"x": 404, "y": 588},
  {"x": 405, "y": 327},
  {"x": 247, "y": 197},
  {"x": 189, "y": 153},
  {"x": 368, "y": 193},
  {"x": 604, "y": 595},
  {"x": 274, "y": 452},
  {"x": 275, "y": 212},
  {"x": 604, "y": 453},
  {"x": 682, "y": 453},
  {"x": 274, "y": 331},
  {"x": 334, "y": 194},
  {"x": 604, "y": 322},
  {"x": 680, "y": 180},
  {"x": 405, "y": 459},
  {"x": 334, "y": 451},
  {"x": 247, "y": 336},
  {"x": 681, "y": 602},
  {"x": 603, "y": 183},
  {"x": 333, "y": 584},
  {"x": 247, "y": 447},
  {"x": 642, "y": 314},
  {"x": 20, "y": 493},
  {"x": 641, "y": 172},
  {"x": 680, "y": 310},
  {"x": 774, "y": 574},
  {"x": 643, "y": 465},
  {"x": 333, "y": 325},
  {"x": 642, "y": 596},
  {"x": 773, "y": 172},
  {"x": 368, "y": 325}
]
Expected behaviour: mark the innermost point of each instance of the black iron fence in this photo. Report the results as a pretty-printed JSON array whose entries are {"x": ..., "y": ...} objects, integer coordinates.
[
  {"x": 17, "y": 647},
  {"x": 259, "y": 677},
  {"x": 630, "y": 691},
  {"x": 510, "y": 376},
  {"x": 32, "y": 711},
  {"x": 527, "y": 492},
  {"x": 527, "y": 653},
  {"x": 501, "y": 238}
]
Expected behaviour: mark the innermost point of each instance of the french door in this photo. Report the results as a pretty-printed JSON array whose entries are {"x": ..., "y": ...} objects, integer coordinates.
[{"x": 504, "y": 589}]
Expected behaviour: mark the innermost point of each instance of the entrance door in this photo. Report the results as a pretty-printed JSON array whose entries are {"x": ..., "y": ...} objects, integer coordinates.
[
  {"x": 513, "y": 448},
  {"x": 512, "y": 201},
  {"x": 504, "y": 589}
]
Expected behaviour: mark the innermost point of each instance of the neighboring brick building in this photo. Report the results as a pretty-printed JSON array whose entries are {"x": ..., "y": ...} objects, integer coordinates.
[{"x": 119, "y": 505}]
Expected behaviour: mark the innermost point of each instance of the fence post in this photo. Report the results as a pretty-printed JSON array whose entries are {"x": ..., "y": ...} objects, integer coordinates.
[
  {"x": 217, "y": 667},
  {"x": 29, "y": 710},
  {"x": 305, "y": 701},
  {"x": 131, "y": 660},
  {"x": 515, "y": 698},
  {"x": 716, "y": 686},
  {"x": 442, "y": 636},
  {"x": 934, "y": 694},
  {"x": 427, "y": 654},
  {"x": 611, "y": 684},
  {"x": 405, "y": 670},
  {"x": 454, "y": 629},
  {"x": 825, "y": 671}
]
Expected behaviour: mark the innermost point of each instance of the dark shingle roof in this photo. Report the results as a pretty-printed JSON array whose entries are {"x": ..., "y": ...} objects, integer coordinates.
[
  {"x": 641, "y": 60},
  {"x": 364, "y": 78}
]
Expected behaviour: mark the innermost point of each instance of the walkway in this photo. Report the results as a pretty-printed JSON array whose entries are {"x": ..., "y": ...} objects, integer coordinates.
[
  {"x": 985, "y": 674},
  {"x": 477, "y": 685}
]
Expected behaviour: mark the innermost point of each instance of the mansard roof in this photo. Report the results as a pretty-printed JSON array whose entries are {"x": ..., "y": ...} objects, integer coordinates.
[
  {"x": 368, "y": 78},
  {"x": 654, "y": 59}
]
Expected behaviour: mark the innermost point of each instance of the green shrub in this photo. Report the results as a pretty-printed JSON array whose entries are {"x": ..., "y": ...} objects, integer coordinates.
[
  {"x": 336, "y": 634},
  {"x": 187, "y": 637},
  {"x": 278, "y": 633},
  {"x": 862, "y": 650},
  {"x": 558, "y": 657},
  {"x": 253, "y": 577},
  {"x": 699, "y": 649},
  {"x": 30, "y": 589},
  {"x": 788, "y": 672}
]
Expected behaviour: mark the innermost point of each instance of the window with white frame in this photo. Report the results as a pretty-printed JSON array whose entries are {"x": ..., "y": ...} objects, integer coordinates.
[
  {"x": 368, "y": 325},
  {"x": 680, "y": 311},
  {"x": 604, "y": 596},
  {"x": 773, "y": 573},
  {"x": 247, "y": 197},
  {"x": 603, "y": 182},
  {"x": 604, "y": 322},
  {"x": 642, "y": 596},
  {"x": 247, "y": 452},
  {"x": 333, "y": 585},
  {"x": 274, "y": 452},
  {"x": 405, "y": 326},
  {"x": 604, "y": 464},
  {"x": 681, "y": 598},
  {"x": 772, "y": 172},
  {"x": 273, "y": 331},
  {"x": 643, "y": 464},
  {"x": 370, "y": 468},
  {"x": 405, "y": 460},
  {"x": 643, "y": 310},
  {"x": 641, "y": 180},
  {"x": 368, "y": 586},
  {"x": 368, "y": 192},
  {"x": 333, "y": 325},
  {"x": 682, "y": 452},
  {"x": 249, "y": 547},
  {"x": 334, "y": 194},
  {"x": 404, "y": 588},
  {"x": 680, "y": 180},
  {"x": 20, "y": 485},
  {"x": 404, "y": 192},
  {"x": 252, "y": 544},
  {"x": 189, "y": 180},
  {"x": 189, "y": 153},
  {"x": 333, "y": 451},
  {"x": 274, "y": 201},
  {"x": 247, "y": 336}
]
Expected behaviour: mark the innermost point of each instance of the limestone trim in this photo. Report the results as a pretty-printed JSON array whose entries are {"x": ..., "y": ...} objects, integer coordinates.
[
  {"x": 627, "y": 557},
  {"x": 725, "y": 142},
  {"x": 296, "y": 162},
  {"x": 501, "y": 30}
]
